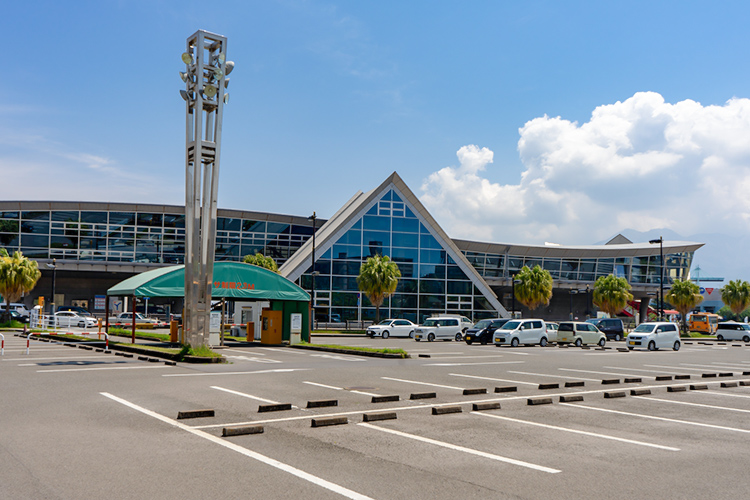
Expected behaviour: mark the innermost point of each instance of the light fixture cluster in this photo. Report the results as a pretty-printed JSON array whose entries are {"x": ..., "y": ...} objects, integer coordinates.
[{"x": 205, "y": 78}]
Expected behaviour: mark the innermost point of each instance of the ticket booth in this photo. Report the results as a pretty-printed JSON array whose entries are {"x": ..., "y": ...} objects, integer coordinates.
[{"x": 271, "y": 327}]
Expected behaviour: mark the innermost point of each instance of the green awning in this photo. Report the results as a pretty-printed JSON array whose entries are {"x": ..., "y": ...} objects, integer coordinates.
[{"x": 234, "y": 280}]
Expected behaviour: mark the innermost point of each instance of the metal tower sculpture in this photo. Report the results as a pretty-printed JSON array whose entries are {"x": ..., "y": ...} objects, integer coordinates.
[{"x": 205, "y": 96}]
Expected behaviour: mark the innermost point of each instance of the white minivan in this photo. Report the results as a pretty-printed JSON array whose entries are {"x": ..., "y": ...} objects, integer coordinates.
[
  {"x": 654, "y": 335},
  {"x": 731, "y": 330},
  {"x": 521, "y": 331},
  {"x": 18, "y": 307},
  {"x": 440, "y": 327}
]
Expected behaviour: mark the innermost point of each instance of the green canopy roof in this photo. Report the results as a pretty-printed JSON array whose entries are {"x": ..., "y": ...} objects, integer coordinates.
[{"x": 231, "y": 280}]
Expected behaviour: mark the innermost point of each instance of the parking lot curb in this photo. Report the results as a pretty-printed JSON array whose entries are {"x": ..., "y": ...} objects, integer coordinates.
[
  {"x": 385, "y": 399},
  {"x": 274, "y": 407},
  {"x": 609, "y": 381},
  {"x": 538, "y": 401},
  {"x": 676, "y": 388},
  {"x": 682, "y": 377},
  {"x": 485, "y": 406},
  {"x": 660, "y": 378},
  {"x": 374, "y": 417},
  {"x": 615, "y": 394},
  {"x": 572, "y": 398},
  {"x": 709, "y": 375},
  {"x": 633, "y": 380},
  {"x": 543, "y": 387},
  {"x": 744, "y": 383},
  {"x": 726, "y": 374},
  {"x": 323, "y": 422},
  {"x": 510, "y": 388},
  {"x": 639, "y": 392},
  {"x": 242, "y": 431},
  {"x": 423, "y": 395},
  {"x": 444, "y": 410},
  {"x": 729, "y": 384},
  {"x": 577, "y": 383},
  {"x": 195, "y": 414},
  {"x": 470, "y": 392},
  {"x": 351, "y": 351},
  {"x": 698, "y": 387},
  {"x": 322, "y": 403}
]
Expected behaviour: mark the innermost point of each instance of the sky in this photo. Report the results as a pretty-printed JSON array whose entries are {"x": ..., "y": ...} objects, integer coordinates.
[{"x": 513, "y": 122}]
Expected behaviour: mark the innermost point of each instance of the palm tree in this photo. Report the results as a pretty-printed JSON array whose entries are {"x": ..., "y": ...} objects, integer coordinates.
[
  {"x": 612, "y": 294},
  {"x": 378, "y": 278},
  {"x": 684, "y": 296},
  {"x": 261, "y": 260},
  {"x": 18, "y": 275},
  {"x": 736, "y": 295},
  {"x": 535, "y": 287}
]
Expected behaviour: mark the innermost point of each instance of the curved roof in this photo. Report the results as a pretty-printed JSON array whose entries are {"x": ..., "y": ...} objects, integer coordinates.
[{"x": 235, "y": 280}]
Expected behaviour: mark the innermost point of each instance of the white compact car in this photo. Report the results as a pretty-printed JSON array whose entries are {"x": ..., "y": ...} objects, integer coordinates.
[
  {"x": 395, "y": 327},
  {"x": 440, "y": 328},
  {"x": 732, "y": 330},
  {"x": 653, "y": 336},
  {"x": 521, "y": 331},
  {"x": 67, "y": 319},
  {"x": 579, "y": 333}
]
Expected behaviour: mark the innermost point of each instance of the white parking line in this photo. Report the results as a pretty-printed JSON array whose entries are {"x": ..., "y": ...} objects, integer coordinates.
[
  {"x": 471, "y": 451},
  {"x": 29, "y": 358},
  {"x": 423, "y": 383},
  {"x": 210, "y": 374},
  {"x": 653, "y": 417},
  {"x": 339, "y": 388},
  {"x": 243, "y": 351},
  {"x": 475, "y": 364},
  {"x": 492, "y": 379},
  {"x": 716, "y": 393},
  {"x": 600, "y": 373},
  {"x": 556, "y": 376},
  {"x": 675, "y": 370},
  {"x": 692, "y": 404},
  {"x": 244, "y": 451},
  {"x": 134, "y": 367},
  {"x": 575, "y": 431},
  {"x": 477, "y": 356},
  {"x": 333, "y": 356},
  {"x": 230, "y": 391},
  {"x": 253, "y": 359},
  {"x": 716, "y": 366}
]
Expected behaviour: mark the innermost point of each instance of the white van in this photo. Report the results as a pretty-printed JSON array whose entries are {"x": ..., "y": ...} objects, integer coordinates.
[
  {"x": 440, "y": 327},
  {"x": 521, "y": 331},
  {"x": 18, "y": 307}
]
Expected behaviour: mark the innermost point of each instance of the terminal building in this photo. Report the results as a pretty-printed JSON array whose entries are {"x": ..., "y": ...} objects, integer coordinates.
[{"x": 84, "y": 248}]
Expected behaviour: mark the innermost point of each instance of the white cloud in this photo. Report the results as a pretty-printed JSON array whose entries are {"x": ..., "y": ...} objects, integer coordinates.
[{"x": 641, "y": 163}]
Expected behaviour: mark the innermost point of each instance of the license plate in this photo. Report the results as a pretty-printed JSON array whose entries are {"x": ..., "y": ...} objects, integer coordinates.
[{"x": 632, "y": 342}]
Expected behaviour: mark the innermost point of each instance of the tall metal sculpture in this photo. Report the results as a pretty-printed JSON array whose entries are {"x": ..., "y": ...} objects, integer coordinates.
[{"x": 205, "y": 96}]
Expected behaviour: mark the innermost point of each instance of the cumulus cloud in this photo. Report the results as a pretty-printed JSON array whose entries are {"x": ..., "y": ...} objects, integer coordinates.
[{"x": 642, "y": 163}]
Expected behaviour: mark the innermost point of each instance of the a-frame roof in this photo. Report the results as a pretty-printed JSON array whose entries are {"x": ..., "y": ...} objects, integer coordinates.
[{"x": 355, "y": 208}]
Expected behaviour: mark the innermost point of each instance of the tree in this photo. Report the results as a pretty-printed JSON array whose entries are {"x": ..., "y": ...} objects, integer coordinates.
[
  {"x": 261, "y": 260},
  {"x": 378, "y": 279},
  {"x": 535, "y": 287},
  {"x": 684, "y": 296},
  {"x": 18, "y": 275},
  {"x": 612, "y": 294},
  {"x": 736, "y": 294}
]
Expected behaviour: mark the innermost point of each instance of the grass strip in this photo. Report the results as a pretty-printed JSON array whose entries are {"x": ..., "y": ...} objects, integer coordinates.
[{"x": 360, "y": 349}]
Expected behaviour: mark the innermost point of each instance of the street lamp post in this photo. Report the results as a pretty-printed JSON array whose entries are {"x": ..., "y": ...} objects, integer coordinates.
[
  {"x": 588, "y": 310},
  {"x": 53, "y": 266},
  {"x": 313, "y": 217},
  {"x": 660, "y": 241}
]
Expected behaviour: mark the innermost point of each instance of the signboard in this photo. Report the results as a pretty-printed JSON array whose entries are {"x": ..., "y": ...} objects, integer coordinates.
[
  {"x": 215, "y": 326},
  {"x": 296, "y": 322}
]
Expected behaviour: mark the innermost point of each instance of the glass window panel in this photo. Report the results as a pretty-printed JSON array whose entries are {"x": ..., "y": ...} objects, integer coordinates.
[
  {"x": 149, "y": 219},
  {"x": 475, "y": 259},
  {"x": 9, "y": 215},
  {"x": 174, "y": 220},
  {"x": 407, "y": 286},
  {"x": 401, "y": 300},
  {"x": 9, "y": 226},
  {"x": 395, "y": 197},
  {"x": 407, "y": 270},
  {"x": 532, "y": 262},
  {"x": 431, "y": 271},
  {"x": 402, "y": 225},
  {"x": 514, "y": 264},
  {"x": 427, "y": 241},
  {"x": 455, "y": 273},
  {"x": 39, "y": 216},
  {"x": 351, "y": 237},
  {"x": 122, "y": 218},
  {"x": 432, "y": 302},
  {"x": 552, "y": 264},
  {"x": 588, "y": 265},
  {"x": 460, "y": 287},
  {"x": 227, "y": 224},
  {"x": 405, "y": 240},
  {"x": 344, "y": 268},
  {"x": 605, "y": 267},
  {"x": 8, "y": 241},
  {"x": 253, "y": 226},
  {"x": 376, "y": 238},
  {"x": 432, "y": 286},
  {"x": 344, "y": 299},
  {"x": 410, "y": 214},
  {"x": 432, "y": 256},
  {"x": 36, "y": 227},
  {"x": 63, "y": 242},
  {"x": 65, "y": 215},
  {"x": 405, "y": 255},
  {"x": 277, "y": 228},
  {"x": 35, "y": 253},
  {"x": 344, "y": 283},
  {"x": 347, "y": 252},
  {"x": 378, "y": 223},
  {"x": 303, "y": 230}
]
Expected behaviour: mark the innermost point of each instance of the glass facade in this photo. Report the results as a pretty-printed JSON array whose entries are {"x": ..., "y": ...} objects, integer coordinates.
[
  {"x": 431, "y": 283},
  {"x": 637, "y": 270},
  {"x": 139, "y": 236}
]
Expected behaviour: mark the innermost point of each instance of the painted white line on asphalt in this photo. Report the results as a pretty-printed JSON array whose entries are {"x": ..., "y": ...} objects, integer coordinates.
[
  {"x": 230, "y": 391},
  {"x": 279, "y": 370},
  {"x": 471, "y": 451},
  {"x": 134, "y": 367},
  {"x": 338, "y": 358},
  {"x": 340, "y": 388},
  {"x": 692, "y": 404},
  {"x": 652, "y": 417},
  {"x": 475, "y": 364},
  {"x": 716, "y": 393},
  {"x": 643, "y": 370},
  {"x": 477, "y": 356},
  {"x": 575, "y": 431},
  {"x": 556, "y": 376},
  {"x": 253, "y": 359},
  {"x": 508, "y": 351},
  {"x": 29, "y": 358},
  {"x": 423, "y": 383},
  {"x": 676, "y": 368},
  {"x": 717, "y": 366},
  {"x": 244, "y": 451},
  {"x": 491, "y": 379},
  {"x": 599, "y": 373},
  {"x": 437, "y": 353},
  {"x": 243, "y": 351}
]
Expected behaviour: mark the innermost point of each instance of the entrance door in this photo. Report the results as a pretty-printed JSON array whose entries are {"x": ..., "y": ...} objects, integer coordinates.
[{"x": 270, "y": 332}]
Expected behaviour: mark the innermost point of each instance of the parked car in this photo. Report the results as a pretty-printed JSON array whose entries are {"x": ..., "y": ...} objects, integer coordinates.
[
  {"x": 18, "y": 307},
  {"x": 654, "y": 335},
  {"x": 521, "y": 331},
  {"x": 67, "y": 319},
  {"x": 79, "y": 310},
  {"x": 395, "y": 327},
  {"x": 15, "y": 316},
  {"x": 552, "y": 331},
  {"x": 126, "y": 318},
  {"x": 579, "y": 333},
  {"x": 483, "y": 330},
  {"x": 611, "y": 327},
  {"x": 732, "y": 330},
  {"x": 466, "y": 323},
  {"x": 439, "y": 327}
]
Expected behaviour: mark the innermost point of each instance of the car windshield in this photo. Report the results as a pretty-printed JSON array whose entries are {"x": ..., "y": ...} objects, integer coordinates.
[
  {"x": 746, "y": 327},
  {"x": 430, "y": 322},
  {"x": 385, "y": 322},
  {"x": 593, "y": 321},
  {"x": 511, "y": 325},
  {"x": 483, "y": 324},
  {"x": 644, "y": 328}
]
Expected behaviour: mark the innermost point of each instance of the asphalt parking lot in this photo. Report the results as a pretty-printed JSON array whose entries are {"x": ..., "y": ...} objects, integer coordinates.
[{"x": 78, "y": 423}]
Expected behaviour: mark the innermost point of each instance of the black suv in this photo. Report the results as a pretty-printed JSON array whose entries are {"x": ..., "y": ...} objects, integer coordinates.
[
  {"x": 611, "y": 327},
  {"x": 483, "y": 330}
]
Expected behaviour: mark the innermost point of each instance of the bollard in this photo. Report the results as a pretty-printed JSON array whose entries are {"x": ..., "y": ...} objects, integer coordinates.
[
  {"x": 2, "y": 345},
  {"x": 99, "y": 322}
]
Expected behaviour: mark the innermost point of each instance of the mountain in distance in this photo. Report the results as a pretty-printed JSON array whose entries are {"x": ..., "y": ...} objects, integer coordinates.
[{"x": 721, "y": 256}]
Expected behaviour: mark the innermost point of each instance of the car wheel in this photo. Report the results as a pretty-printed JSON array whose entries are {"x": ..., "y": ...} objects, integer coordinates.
[
  {"x": 651, "y": 346},
  {"x": 579, "y": 342},
  {"x": 431, "y": 337},
  {"x": 676, "y": 345},
  {"x": 81, "y": 325},
  {"x": 720, "y": 338},
  {"x": 417, "y": 340},
  {"x": 458, "y": 337},
  {"x": 469, "y": 341},
  {"x": 602, "y": 342},
  {"x": 543, "y": 342},
  {"x": 514, "y": 342},
  {"x": 746, "y": 339},
  {"x": 385, "y": 334},
  {"x": 617, "y": 337},
  {"x": 484, "y": 341},
  {"x": 630, "y": 348},
  {"x": 411, "y": 334}
]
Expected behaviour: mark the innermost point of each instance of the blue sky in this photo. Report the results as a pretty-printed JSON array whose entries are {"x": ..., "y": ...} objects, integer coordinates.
[{"x": 518, "y": 122}]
